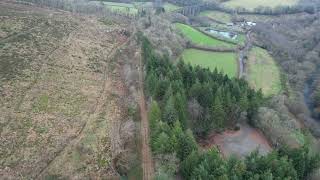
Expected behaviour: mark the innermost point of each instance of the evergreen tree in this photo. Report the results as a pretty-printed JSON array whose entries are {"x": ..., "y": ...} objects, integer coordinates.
[
  {"x": 151, "y": 83},
  {"x": 189, "y": 164},
  {"x": 161, "y": 89},
  {"x": 218, "y": 114},
  {"x": 168, "y": 94},
  {"x": 235, "y": 168},
  {"x": 154, "y": 118},
  {"x": 170, "y": 114},
  {"x": 186, "y": 144},
  {"x": 180, "y": 103},
  {"x": 243, "y": 102},
  {"x": 161, "y": 144}
]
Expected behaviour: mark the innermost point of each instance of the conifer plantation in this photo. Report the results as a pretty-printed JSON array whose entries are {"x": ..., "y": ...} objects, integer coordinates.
[{"x": 191, "y": 102}]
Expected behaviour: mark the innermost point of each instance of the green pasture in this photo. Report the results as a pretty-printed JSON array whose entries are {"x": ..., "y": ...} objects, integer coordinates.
[
  {"x": 200, "y": 38},
  {"x": 168, "y": 7},
  {"x": 263, "y": 72},
  {"x": 251, "y": 4},
  {"x": 121, "y": 7},
  {"x": 223, "y": 61},
  {"x": 217, "y": 15}
]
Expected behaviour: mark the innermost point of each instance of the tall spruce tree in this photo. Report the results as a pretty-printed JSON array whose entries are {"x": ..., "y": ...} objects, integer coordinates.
[
  {"x": 180, "y": 103},
  {"x": 170, "y": 114},
  {"x": 218, "y": 114}
]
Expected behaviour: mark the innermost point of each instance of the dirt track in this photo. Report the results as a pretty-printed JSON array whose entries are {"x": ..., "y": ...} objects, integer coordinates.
[{"x": 147, "y": 163}]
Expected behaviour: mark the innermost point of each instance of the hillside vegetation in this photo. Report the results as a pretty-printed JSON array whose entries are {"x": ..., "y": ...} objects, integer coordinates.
[{"x": 62, "y": 111}]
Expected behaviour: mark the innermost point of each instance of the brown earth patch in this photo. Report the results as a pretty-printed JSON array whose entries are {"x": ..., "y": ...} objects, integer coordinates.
[{"x": 239, "y": 143}]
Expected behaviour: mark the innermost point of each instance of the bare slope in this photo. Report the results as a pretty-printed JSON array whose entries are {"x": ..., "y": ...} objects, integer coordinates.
[{"x": 61, "y": 108}]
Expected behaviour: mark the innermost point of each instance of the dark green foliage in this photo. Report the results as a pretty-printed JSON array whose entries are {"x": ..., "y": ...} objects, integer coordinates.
[
  {"x": 186, "y": 144},
  {"x": 151, "y": 83},
  {"x": 317, "y": 98},
  {"x": 303, "y": 161},
  {"x": 221, "y": 99},
  {"x": 275, "y": 165},
  {"x": 218, "y": 114},
  {"x": 216, "y": 102},
  {"x": 170, "y": 114}
]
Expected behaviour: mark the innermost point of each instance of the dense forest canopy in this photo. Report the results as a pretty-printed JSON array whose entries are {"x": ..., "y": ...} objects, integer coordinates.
[{"x": 191, "y": 101}]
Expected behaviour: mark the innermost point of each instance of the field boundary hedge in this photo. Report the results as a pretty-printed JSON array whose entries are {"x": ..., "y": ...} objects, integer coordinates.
[{"x": 214, "y": 49}]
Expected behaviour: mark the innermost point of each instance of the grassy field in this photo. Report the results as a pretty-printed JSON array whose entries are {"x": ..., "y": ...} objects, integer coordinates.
[
  {"x": 225, "y": 62},
  {"x": 122, "y": 7},
  {"x": 263, "y": 72},
  {"x": 170, "y": 7},
  {"x": 240, "y": 39},
  {"x": 251, "y": 4},
  {"x": 217, "y": 15},
  {"x": 200, "y": 38}
]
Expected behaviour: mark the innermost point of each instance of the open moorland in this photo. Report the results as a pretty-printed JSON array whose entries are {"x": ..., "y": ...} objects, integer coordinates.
[
  {"x": 250, "y": 4},
  {"x": 224, "y": 62},
  {"x": 61, "y": 95},
  {"x": 200, "y": 38},
  {"x": 263, "y": 72}
]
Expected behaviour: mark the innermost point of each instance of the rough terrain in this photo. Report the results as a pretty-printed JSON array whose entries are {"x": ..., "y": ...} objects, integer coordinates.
[{"x": 62, "y": 112}]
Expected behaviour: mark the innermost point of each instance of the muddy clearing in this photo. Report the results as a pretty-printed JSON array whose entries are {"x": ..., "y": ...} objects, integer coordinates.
[
  {"x": 239, "y": 143},
  {"x": 60, "y": 88}
]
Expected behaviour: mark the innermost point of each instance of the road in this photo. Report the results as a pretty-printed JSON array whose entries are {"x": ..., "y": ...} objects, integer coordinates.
[{"x": 242, "y": 54}]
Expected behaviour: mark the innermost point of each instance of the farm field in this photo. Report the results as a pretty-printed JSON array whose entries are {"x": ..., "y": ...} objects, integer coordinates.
[
  {"x": 223, "y": 61},
  {"x": 263, "y": 72},
  {"x": 170, "y": 7},
  {"x": 224, "y": 35},
  {"x": 200, "y": 38},
  {"x": 122, "y": 7},
  {"x": 217, "y": 16},
  {"x": 60, "y": 88},
  {"x": 251, "y": 4}
]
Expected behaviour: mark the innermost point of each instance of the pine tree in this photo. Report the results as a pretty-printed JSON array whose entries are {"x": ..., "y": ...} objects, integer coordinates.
[
  {"x": 161, "y": 144},
  {"x": 243, "y": 102},
  {"x": 151, "y": 83},
  {"x": 168, "y": 94},
  {"x": 186, "y": 145},
  {"x": 161, "y": 89},
  {"x": 170, "y": 114},
  {"x": 180, "y": 105},
  {"x": 154, "y": 117},
  {"x": 218, "y": 114},
  {"x": 235, "y": 168}
]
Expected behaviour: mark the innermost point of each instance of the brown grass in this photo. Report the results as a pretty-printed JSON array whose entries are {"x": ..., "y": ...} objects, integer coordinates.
[{"x": 60, "y": 95}]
